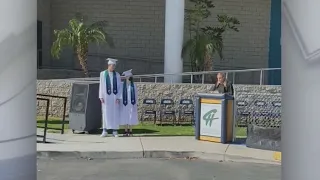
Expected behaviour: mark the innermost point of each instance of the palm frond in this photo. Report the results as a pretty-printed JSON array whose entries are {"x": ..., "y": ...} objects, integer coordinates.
[
  {"x": 188, "y": 45},
  {"x": 216, "y": 41},
  {"x": 228, "y": 23},
  {"x": 74, "y": 25},
  {"x": 97, "y": 35},
  {"x": 63, "y": 38},
  {"x": 100, "y": 26}
]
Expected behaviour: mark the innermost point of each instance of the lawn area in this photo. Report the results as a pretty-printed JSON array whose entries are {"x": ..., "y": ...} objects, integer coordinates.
[{"x": 143, "y": 129}]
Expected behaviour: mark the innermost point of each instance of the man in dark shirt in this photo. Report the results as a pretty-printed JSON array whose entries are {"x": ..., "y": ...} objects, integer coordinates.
[{"x": 222, "y": 85}]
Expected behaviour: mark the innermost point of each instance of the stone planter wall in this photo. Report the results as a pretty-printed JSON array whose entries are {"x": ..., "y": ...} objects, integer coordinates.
[{"x": 145, "y": 90}]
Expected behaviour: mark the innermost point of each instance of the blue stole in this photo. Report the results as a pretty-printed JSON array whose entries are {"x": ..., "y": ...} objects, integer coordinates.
[
  {"x": 108, "y": 82},
  {"x": 125, "y": 93}
]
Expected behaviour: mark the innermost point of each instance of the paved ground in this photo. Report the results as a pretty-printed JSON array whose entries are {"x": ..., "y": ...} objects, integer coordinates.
[
  {"x": 153, "y": 169},
  {"x": 82, "y": 145}
]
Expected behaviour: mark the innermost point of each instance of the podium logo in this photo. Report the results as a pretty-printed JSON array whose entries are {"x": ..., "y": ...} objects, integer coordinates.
[{"x": 209, "y": 117}]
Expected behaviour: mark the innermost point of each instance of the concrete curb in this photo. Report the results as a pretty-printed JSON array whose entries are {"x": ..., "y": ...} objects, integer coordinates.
[
  {"x": 277, "y": 156},
  {"x": 90, "y": 154},
  {"x": 150, "y": 154}
]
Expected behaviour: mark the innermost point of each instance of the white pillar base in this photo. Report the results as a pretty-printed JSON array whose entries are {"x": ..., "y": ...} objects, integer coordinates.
[
  {"x": 18, "y": 74},
  {"x": 174, "y": 29}
]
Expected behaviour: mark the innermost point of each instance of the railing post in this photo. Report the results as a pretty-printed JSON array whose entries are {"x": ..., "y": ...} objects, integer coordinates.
[
  {"x": 233, "y": 77},
  {"x": 155, "y": 79},
  {"x": 191, "y": 78},
  {"x": 261, "y": 77},
  {"x": 140, "y": 79},
  {"x": 202, "y": 78}
]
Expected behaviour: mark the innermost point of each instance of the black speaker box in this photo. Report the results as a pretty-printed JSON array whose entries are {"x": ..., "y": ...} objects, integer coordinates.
[{"x": 85, "y": 107}]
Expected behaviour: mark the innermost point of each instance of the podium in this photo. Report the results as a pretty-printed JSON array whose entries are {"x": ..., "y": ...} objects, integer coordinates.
[{"x": 214, "y": 117}]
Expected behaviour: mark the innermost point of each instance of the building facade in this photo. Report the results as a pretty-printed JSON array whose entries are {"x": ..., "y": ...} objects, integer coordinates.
[{"x": 138, "y": 30}]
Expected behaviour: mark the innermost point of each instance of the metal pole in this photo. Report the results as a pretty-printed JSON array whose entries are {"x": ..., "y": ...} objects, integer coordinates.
[
  {"x": 191, "y": 78},
  {"x": 233, "y": 77},
  {"x": 300, "y": 104},
  {"x": 18, "y": 74},
  {"x": 234, "y": 126},
  {"x": 156, "y": 79},
  {"x": 202, "y": 78},
  {"x": 46, "y": 121},
  {"x": 64, "y": 114},
  {"x": 261, "y": 76}
]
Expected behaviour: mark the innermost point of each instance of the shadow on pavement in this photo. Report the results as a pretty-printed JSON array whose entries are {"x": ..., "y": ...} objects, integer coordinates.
[{"x": 239, "y": 141}]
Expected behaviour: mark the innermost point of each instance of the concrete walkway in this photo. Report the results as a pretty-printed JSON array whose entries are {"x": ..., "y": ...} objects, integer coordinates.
[{"x": 93, "y": 146}]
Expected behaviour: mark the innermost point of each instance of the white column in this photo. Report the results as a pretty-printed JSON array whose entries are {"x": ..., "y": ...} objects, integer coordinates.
[
  {"x": 18, "y": 58},
  {"x": 300, "y": 90},
  {"x": 174, "y": 28}
]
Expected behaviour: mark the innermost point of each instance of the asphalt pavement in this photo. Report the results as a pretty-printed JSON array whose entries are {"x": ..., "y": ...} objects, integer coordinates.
[{"x": 153, "y": 169}]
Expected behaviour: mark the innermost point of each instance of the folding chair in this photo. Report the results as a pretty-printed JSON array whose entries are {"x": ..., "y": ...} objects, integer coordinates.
[
  {"x": 167, "y": 110},
  {"x": 186, "y": 109},
  {"x": 148, "y": 109}
]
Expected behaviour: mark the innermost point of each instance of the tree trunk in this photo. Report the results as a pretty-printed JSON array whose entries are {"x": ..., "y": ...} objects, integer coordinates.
[
  {"x": 82, "y": 57},
  {"x": 84, "y": 66},
  {"x": 208, "y": 66}
]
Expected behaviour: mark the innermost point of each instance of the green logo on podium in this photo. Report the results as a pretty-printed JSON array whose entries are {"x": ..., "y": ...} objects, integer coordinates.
[{"x": 209, "y": 117}]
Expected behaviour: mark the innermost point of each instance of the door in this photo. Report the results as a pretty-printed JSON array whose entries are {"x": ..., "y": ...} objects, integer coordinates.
[
  {"x": 274, "y": 77},
  {"x": 39, "y": 44}
]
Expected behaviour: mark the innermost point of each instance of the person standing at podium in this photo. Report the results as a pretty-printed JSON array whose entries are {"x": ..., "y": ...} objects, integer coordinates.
[
  {"x": 222, "y": 85},
  {"x": 110, "y": 95},
  {"x": 129, "y": 108}
]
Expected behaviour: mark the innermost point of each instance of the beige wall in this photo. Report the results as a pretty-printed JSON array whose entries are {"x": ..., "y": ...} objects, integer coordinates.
[{"x": 138, "y": 30}]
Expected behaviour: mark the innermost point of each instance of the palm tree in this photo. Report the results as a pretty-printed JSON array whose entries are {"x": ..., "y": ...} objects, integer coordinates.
[
  {"x": 78, "y": 35},
  {"x": 200, "y": 50},
  {"x": 204, "y": 43}
]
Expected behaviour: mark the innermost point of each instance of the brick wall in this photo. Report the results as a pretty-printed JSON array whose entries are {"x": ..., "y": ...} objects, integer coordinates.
[
  {"x": 248, "y": 48},
  {"x": 138, "y": 30}
]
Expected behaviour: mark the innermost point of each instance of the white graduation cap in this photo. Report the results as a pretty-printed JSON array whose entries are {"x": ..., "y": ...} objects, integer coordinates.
[
  {"x": 127, "y": 73},
  {"x": 112, "y": 61}
]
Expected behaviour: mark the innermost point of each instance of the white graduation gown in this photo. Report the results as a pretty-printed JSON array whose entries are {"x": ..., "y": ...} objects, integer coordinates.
[
  {"x": 129, "y": 113},
  {"x": 110, "y": 109}
]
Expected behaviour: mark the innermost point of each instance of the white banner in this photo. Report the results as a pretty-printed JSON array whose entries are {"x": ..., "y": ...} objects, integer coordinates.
[{"x": 210, "y": 120}]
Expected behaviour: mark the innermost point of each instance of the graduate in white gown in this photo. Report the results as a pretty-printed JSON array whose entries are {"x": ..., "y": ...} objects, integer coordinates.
[
  {"x": 110, "y": 95},
  {"x": 129, "y": 108}
]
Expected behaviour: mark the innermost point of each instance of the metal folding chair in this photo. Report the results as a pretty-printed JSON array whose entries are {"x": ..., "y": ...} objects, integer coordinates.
[
  {"x": 186, "y": 109},
  {"x": 149, "y": 109},
  {"x": 167, "y": 110}
]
